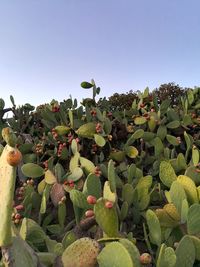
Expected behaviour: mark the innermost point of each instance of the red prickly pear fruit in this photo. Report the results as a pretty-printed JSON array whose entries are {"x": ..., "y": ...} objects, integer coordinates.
[
  {"x": 145, "y": 258},
  {"x": 91, "y": 200},
  {"x": 14, "y": 157},
  {"x": 19, "y": 207},
  {"x": 89, "y": 213},
  {"x": 109, "y": 204},
  {"x": 17, "y": 216}
]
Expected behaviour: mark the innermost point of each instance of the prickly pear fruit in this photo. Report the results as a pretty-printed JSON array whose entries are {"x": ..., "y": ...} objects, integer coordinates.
[
  {"x": 145, "y": 258},
  {"x": 91, "y": 199},
  {"x": 14, "y": 157}
]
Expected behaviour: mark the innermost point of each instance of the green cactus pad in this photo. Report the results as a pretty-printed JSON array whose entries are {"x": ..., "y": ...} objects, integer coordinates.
[
  {"x": 185, "y": 252},
  {"x": 195, "y": 156},
  {"x": 121, "y": 258},
  {"x": 131, "y": 152},
  {"x": 32, "y": 170},
  {"x": 27, "y": 258},
  {"x": 167, "y": 174},
  {"x": 9, "y": 136},
  {"x": 87, "y": 130},
  {"x": 79, "y": 199},
  {"x": 166, "y": 257},
  {"x": 138, "y": 134},
  {"x": 92, "y": 186},
  {"x": 173, "y": 124},
  {"x": 193, "y": 174},
  {"x": 139, "y": 120},
  {"x": 127, "y": 193},
  {"x": 152, "y": 123},
  {"x": 196, "y": 242},
  {"x": 87, "y": 165},
  {"x": 81, "y": 253},
  {"x": 178, "y": 195},
  {"x": 62, "y": 130},
  {"x": 189, "y": 187},
  {"x": 106, "y": 218},
  {"x": 111, "y": 175},
  {"x": 193, "y": 220},
  {"x": 148, "y": 136},
  {"x": 99, "y": 140},
  {"x": 164, "y": 219},
  {"x": 172, "y": 211},
  {"x": 76, "y": 174},
  {"x": 74, "y": 161},
  {"x": 62, "y": 214},
  {"x": 108, "y": 194},
  {"x": 172, "y": 140},
  {"x": 68, "y": 239},
  {"x": 118, "y": 156},
  {"x": 133, "y": 251},
  {"x": 32, "y": 232},
  {"x": 162, "y": 132},
  {"x": 181, "y": 163},
  {"x": 123, "y": 211},
  {"x": 49, "y": 177},
  {"x": 154, "y": 227}
]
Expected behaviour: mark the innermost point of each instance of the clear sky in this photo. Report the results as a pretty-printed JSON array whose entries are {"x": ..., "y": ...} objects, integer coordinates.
[{"x": 48, "y": 47}]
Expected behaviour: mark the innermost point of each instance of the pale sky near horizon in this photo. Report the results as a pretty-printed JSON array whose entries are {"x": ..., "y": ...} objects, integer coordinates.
[{"x": 48, "y": 47}]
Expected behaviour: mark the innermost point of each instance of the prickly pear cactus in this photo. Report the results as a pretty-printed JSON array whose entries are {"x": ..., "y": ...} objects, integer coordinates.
[
  {"x": 167, "y": 173},
  {"x": 185, "y": 252},
  {"x": 166, "y": 257},
  {"x": 81, "y": 253},
  {"x": 189, "y": 187},
  {"x": 126, "y": 255},
  {"x": 7, "y": 186},
  {"x": 106, "y": 218}
]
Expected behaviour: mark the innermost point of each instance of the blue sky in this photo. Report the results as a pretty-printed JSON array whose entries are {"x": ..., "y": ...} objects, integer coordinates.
[{"x": 48, "y": 47}]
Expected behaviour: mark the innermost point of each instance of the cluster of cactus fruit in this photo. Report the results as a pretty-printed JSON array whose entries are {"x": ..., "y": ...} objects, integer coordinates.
[{"x": 86, "y": 187}]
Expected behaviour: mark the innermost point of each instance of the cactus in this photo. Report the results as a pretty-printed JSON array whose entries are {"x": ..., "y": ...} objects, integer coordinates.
[
  {"x": 167, "y": 174},
  {"x": 172, "y": 211},
  {"x": 126, "y": 255},
  {"x": 92, "y": 186},
  {"x": 87, "y": 165},
  {"x": 106, "y": 218},
  {"x": 127, "y": 193},
  {"x": 79, "y": 199},
  {"x": 108, "y": 194},
  {"x": 7, "y": 181},
  {"x": 189, "y": 187},
  {"x": 178, "y": 195},
  {"x": 196, "y": 242},
  {"x": 87, "y": 130},
  {"x": 185, "y": 252},
  {"x": 32, "y": 170},
  {"x": 165, "y": 219},
  {"x": 193, "y": 220},
  {"x": 81, "y": 253},
  {"x": 154, "y": 227},
  {"x": 166, "y": 257},
  {"x": 111, "y": 176}
]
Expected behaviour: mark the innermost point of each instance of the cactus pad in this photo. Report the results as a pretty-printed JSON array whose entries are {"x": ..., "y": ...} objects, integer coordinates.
[{"x": 81, "y": 253}]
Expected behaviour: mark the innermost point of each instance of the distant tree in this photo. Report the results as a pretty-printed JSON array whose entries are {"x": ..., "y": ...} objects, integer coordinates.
[
  {"x": 170, "y": 91},
  {"x": 119, "y": 101}
]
